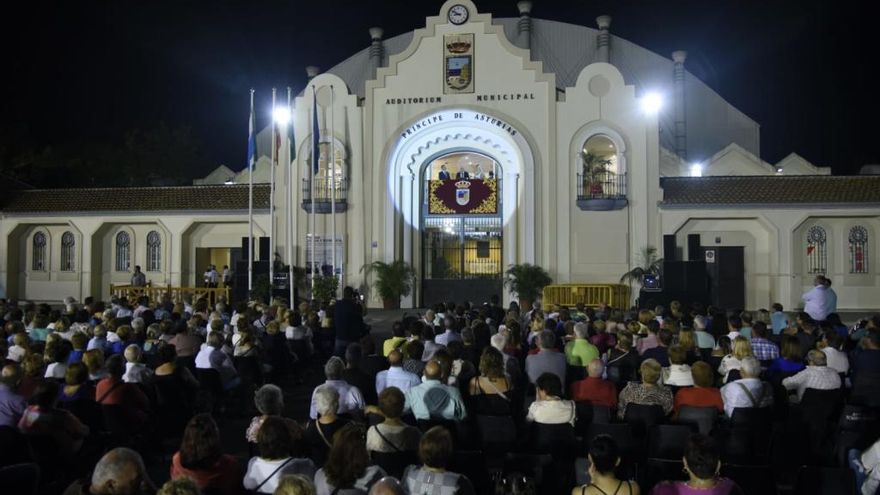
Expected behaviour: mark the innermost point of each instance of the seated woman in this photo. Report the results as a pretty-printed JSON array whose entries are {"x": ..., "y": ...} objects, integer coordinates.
[
  {"x": 392, "y": 435},
  {"x": 702, "y": 394},
  {"x": 790, "y": 360},
  {"x": 491, "y": 392},
  {"x": 648, "y": 392},
  {"x": 687, "y": 339},
  {"x": 549, "y": 407},
  {"x": 622, "y": 361},
  {"x": 347, "y": 470},
  {"x": 412, "y": 352},
  {"x": 279, "y": 455},
  {"x": 78, "y": 396},
  {"x": 56, "y": 353},
  {"x": 113, "y": 391},
  {"x": 201, "y": 458},
  {"x": 319, "y": 432},
  {"x": 604, "y": 459},
  {"x": 94, "y": 361},
  {"x": 702, "y": 463},
  {"x": 435, "y": 452},
  {"x": 733, "y": 361},
  {"x": 720, "y": 351},
  {"x": 176, "y": 389},
  {"x": 42, "y": 417},
  {"x": 269, "y": 401},
  {"x": 678, "y": 374}
]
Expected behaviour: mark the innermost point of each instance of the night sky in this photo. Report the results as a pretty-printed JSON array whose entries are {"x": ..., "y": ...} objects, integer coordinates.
[{"x": 80, "y": 73}]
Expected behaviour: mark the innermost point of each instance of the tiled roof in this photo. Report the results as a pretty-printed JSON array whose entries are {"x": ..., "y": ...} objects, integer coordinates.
[
  {"x": 770, "y": 190},
  {"x": 133, "y": 199}
]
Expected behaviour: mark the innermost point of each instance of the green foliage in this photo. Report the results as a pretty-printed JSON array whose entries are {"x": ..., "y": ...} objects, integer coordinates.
[
  {"x": 527, "y": 280},
  {"x": 649, "y": 264},
  {"x": 593, "y": 166},
  {"x": 325, "y": 288},
  {"x": 392, "y": 280}
]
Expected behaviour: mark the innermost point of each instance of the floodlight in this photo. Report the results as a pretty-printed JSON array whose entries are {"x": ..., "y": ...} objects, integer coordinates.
[
  {"x": 281, "y": 115},
  {"x": 697, "y": 169},
  {"x": 651, "y": 103}
]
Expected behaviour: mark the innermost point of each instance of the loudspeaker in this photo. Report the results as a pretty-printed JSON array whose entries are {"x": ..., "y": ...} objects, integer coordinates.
[
  {"x": 694, "y": 251},
  {"x": 696, "y": 280},
  {"x": 725, "y": 267},
  {"x": 669, "y": 248},
  {"x": 673, "y": 276},
  {"x": 264, "y": 249}
]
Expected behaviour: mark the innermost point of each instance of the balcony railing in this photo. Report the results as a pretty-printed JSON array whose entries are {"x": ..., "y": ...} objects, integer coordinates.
[
  {"x": 325, "y": 191},
  {"x": 601, "y": 192}
]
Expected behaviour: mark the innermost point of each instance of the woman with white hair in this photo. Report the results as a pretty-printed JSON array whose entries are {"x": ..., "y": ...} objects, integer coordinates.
[
  {"x": 350, "y": 399},
  {"x": 269, "y": 401},
  {"x": 319, "y": 432}
]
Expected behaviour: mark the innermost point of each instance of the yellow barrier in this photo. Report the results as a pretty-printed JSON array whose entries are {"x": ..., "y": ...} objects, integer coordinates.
[
  {"x": 131, "y": 292},
  {"x": 568, "y": 295}
]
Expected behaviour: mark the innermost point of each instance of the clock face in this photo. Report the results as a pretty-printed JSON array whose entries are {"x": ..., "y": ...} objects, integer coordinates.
[{"x": 458, "y": 14}]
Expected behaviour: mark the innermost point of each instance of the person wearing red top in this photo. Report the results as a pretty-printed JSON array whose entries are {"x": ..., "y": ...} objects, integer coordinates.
[
  {"x": 112, "y": 391},
  {"x": 593, "y": 388},
  {"x": 201, "y": 458},
  {"x": 702, "y": 394}
]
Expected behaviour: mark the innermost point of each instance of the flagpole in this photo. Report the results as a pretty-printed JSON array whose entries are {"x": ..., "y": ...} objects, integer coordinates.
[
  {"x": 316, "y": 159},
  {"x": 332, "y": 163},
  {"x": 251, "y": 160},
  {"x": 287, "y": 205},
  {"x": 272, "y": 200}
]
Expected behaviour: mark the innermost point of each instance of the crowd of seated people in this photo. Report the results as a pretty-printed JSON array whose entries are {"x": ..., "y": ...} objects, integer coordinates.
[{"x": 460, "y": 399}]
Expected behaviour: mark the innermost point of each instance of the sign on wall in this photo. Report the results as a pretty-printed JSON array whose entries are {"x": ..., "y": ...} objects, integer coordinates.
[
  {"x": 458, "y": 63},
  {"x": 324, "y": 254},
  {"x": 463, "y": 197}
]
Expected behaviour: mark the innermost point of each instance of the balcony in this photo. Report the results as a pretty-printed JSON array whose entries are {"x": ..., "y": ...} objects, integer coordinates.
[
  {"x": 325, "y": 192},
  {"x": 601, "y": 192}
]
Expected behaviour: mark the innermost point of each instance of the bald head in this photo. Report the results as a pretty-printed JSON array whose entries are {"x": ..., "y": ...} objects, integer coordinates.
[
  {"x": 433, "y": 370},
  {"x": 395, "y": 358},
  {"x": 595, "y": 368},
  {"x": 121, "y": 471},
  {"x": 387, "y": 486}
]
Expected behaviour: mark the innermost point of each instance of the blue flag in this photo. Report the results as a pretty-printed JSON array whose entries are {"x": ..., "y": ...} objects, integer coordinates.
[{"x": 316, "y": 138}]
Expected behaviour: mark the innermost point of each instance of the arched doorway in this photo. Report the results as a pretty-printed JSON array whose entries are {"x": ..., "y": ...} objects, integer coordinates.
[{"x": 462, "y": 227}]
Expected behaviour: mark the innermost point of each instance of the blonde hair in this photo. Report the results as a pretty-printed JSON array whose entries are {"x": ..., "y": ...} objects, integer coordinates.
[
  {"x": 686, "y": 340},
  {"x": 645, "y": 316},
  {"x": 650, "y": 370},
  {"x": 294, "y": 484},
  {"x": 742, "y": 348}
]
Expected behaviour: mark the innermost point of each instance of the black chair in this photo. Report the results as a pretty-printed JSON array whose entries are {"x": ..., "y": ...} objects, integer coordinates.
[
  {"x": 14, "y": 447},
  {"x": 857, "y": 428},
  {"x": 866, "y": 389},
  {"x": 657, "y": 470},
  {"x": 668, "y": 441},
  {"x": 249, "y": 370},
  {"x": 588, "y": 413},
  {"x": 642, "y": 417},
  {"x": 117, "y": 425},
  {"x": 539, "y": 467},
  {"x": 497, "y": 433},
  {"x": 819, "y": 412},
  {"x": 750, "y": 435},
  {"x": 814, "y": 480},
  {"x": 394, "y": 463},
  {"x": 20, "y": 479},
  {"x": 471, "y": 463},
  {"x": 211, "y": 393},
  {"x": 701, "y": 418},
  {"x": 753, "y": 480},
  {"x": 558, "y": 440},
  {"x": 733, "y": 375}
]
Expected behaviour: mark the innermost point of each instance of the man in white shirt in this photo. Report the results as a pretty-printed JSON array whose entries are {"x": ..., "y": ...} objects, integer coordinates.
[
  {"x": 395, "y": 375},
  {"x": 136, "y": 371},
  {"x": 830, "y": 345},
  {"x": 212, "y": 357},
  {"x": 816, "y": 300},
  {"x": 350, "y": 398},
  {"x": 748, "y": 391},
  {"x": 449, "y": 334},
  {"x": 434, "y": 399},
  {"x": 817, "y": 375}
]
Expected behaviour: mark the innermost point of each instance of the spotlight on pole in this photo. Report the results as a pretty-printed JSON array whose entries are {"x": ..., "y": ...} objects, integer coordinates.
[
  {"x": 281, "y": 115},
  {"x": 651, "y": 103}
]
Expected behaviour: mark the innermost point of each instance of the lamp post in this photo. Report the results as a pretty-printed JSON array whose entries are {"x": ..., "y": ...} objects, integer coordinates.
[
  {"x": 650, "y": 103},
  {"x": 280, "y": 118}
]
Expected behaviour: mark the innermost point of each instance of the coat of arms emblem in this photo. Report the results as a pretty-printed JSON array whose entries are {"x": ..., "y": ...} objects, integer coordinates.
[
  {"x": 462, "y": 192},
  {"x": 458, "y": 59}
]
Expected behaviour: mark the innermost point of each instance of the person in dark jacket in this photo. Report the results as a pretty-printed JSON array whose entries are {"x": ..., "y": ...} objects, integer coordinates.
[{"x": 348, "y": 319}]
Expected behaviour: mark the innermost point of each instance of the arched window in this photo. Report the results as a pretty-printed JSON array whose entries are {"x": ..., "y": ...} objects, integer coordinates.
[
  {"x": 331, "y": 180},
  {"x": 68, "y": 252},
  {"x": 123, "y": 251},
  {"x": 817, "y": 252},
  {"x": 858, "y": 249},
  {"x": 39, "y": 252},
  {"x": 601, "y": 172},
  {"x": 154, "y": 251}
]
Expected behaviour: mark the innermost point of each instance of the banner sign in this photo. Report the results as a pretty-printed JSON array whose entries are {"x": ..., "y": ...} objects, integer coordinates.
[{"x": 463, "y": 197}]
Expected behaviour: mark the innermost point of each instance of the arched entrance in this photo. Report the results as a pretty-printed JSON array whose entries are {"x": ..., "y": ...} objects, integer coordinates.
[
  {"x": 415, "y": 234},
  {"x": 462, "y": 229}
]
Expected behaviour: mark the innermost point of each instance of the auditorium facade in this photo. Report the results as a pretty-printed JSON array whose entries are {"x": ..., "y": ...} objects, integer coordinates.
[{"x": 465, "y": 146}]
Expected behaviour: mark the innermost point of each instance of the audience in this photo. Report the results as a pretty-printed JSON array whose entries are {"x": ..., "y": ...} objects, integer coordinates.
[
  {"x": 733, "y": 361},
  {"x": 817, "y": 375},
  {"x": 593, "y": 389},
  {"x": 350, "y": 398},
  {"x": 748, "y": 391},
  {"x": 702, "y": 463},
  {"x": 433, "y": 399},
  {"x": 678, "y": 374},
  {"x": 603, "y": 460},
  {"x": 435, "y": 452},
  {"x": 491, "y": 392},
  {"x": 580, "y": 351},
  {"x": 319, "y": 432},
  {"x": 547, "y": 360},
  {"x": 392, "y": 434},
  {"x": 12, "y": 405},
  {"x": 278, "y": 448},
  {"x": 395, "y": 375},
  {"x": 549, "y": 407},
  {"x": 646, "y": 393},
  {"x": 201, "y": 458},
  {"x": 348, "y": 470},
  {"x": 702, "y": 394}
]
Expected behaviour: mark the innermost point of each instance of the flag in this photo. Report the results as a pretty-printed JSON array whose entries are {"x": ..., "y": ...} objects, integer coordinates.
[
  {"x": 252, "y": 142},
  {"x": 316, "y": 138}
]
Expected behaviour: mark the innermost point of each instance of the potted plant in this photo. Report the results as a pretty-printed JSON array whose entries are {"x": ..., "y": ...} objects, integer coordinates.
[
  {"x": 526, "y": 281},
  {"x": 649, "y": 264},
  {"x": 324, "y": 288},
  {"x": 392, "y": 281},
  {"x": 595, "y": 168}
]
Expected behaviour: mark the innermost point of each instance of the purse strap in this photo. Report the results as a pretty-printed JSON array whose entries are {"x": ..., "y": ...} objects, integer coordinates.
[
  {"x": 273, "y": 474},
  {"x": 395, "y": 447}
]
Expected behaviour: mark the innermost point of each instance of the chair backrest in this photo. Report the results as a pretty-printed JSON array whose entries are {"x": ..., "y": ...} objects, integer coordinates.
[
  {"x": 471, "y": 463},
  {"x": 822, "y": 402},
  {"x": 496, "y": 432},
  {"x": 115, "y": 419},
  {"x": 557, "y": 440},
  {"x": 668, "y": 441},
  {"x": 14, "y": 446},
  {"x": 752, "y": 417},
  {"x": 754, "y": 480},
  {"x": 814, "y": 480},
  {"x": 621, "y": 433},
  {"x": 642, "y": 417},
  {"x": 657, "y": 470},
  {"x": 703, "y": 418},
  {"x": 394, "y": 463},
  {"x": 20, "y": 478},
  {"x": 733, "y": 375},
  {"x": 209, "y": 380}
]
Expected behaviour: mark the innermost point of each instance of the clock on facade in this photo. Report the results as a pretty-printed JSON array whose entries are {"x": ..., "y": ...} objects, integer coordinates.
[{"x": 458, "y": 14}]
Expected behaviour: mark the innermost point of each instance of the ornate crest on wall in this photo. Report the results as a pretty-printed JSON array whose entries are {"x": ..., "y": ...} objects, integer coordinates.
[{"x": 458, "y": 63}]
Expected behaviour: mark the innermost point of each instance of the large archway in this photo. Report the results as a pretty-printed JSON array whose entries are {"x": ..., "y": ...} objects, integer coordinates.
[{"x": 456, "y": 131}]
